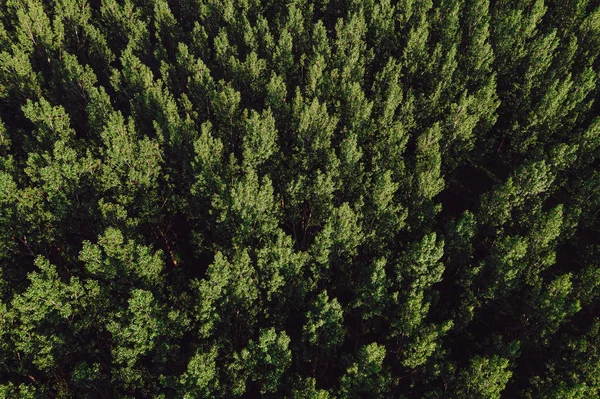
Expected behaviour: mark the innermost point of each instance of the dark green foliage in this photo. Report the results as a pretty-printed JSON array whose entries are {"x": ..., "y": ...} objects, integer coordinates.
[{"x": 300, "y": 199}]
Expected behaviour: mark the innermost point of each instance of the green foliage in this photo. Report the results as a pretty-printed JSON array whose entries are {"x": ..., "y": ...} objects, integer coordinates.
[
  {"x": 365, "y": 376},
  {"x": 324, "y": 326},
  {"x": 300, "y": 199},
  {"x": 115, "y": 258},
  {"x": 201, "y": 377},
  {"x": 47, "y": 310},
  {"x": 134, "y": 336},
  {"x": 268, "y": 359},
  {"x": 230, "y": 290},
  {"x": 485, "y": 378}
]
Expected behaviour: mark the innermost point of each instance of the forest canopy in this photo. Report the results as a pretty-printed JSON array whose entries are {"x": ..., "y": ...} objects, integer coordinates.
[{"x": 300, "y": 199}]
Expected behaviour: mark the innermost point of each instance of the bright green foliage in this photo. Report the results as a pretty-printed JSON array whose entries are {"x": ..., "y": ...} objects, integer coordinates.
[
  {"x": 486, "y": 378},
  {"x": 507, "y": 262},
  {"x": 228, "y": 295},
  {"x": 552, "y": 305},
  {"x": 346, "y": 236},
  {"x": 207, "y": 163},
  {"x": 134, "y": 336},
  {"x": 324, "y": 326},
  {"x": 201, "y": 378},
  {"x": 115, "y": 258},
  {"x": 372, "y": 290},
  {"x": 130, "y": 168},
  {"x": 429, "y": 181},
  {"x": 281, "y": 271},
  {"x": 300, "y": 199},
  {"x": 268, "y": 359},
  {"x": 365, "y": 376},
  {"x": 248, "y": 210},
  {"x": 574, "y": 374},
  {"x": 260, "y": 138},
  {"x": 307, "y": 389},
  {"x": 528, "y": 182},
  {"x": 40, "y": 313}
]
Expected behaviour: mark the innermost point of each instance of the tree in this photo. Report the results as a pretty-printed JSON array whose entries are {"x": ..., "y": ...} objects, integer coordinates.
[
  {"x": 267, "y": 359},
  {"x": 486, "y": 377},
  {"x": 201, "y": 378},
  {"x": 365, "y": 376},
  {"x": 310, "y": 198},
  {"x": 324, "y": 324},
  {"x": 228, "y": 291}
]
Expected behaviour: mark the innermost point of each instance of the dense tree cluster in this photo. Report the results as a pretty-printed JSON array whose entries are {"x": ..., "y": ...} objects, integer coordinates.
[{"x": 300, "y": 199}]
